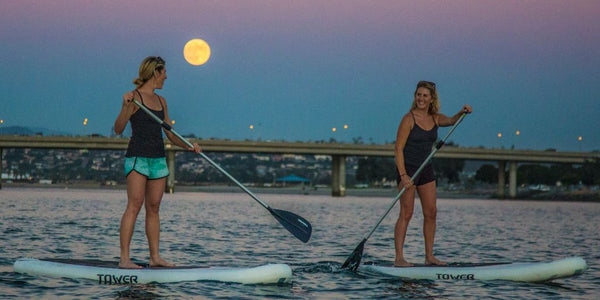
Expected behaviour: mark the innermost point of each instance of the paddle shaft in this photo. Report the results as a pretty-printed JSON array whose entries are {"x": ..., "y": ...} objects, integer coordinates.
[
  {"x": 214, "y": 164},
  {"x": 437, "y": 147}
]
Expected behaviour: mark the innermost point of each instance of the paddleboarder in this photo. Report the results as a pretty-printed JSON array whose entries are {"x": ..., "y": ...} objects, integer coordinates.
[
  {"x": 145, "y": 162},
  {"x": 416, "y": 135}
]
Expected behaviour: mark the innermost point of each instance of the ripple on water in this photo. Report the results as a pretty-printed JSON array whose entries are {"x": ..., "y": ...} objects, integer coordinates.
[{"x": 233, "y": 230}]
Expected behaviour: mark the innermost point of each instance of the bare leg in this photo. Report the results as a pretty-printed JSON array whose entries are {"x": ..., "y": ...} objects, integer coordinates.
[
  {"x": 154, "y": 192},
  {"x": 135, "y": 199},
  {"x": 407, "y": 205},
  {"x": 428, "y": 195}
]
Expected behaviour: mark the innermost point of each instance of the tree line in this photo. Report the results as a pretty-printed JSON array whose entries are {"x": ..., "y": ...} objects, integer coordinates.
[{"x": 548, "y": 174}]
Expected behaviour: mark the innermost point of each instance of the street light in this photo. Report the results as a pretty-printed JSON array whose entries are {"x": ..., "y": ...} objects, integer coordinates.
[
  {"x": 251, "y": 127},
  {"x": 517, "y": 133},
  {"x": 85, "y": 121},
  {"x": 254, "y": 130},
  {"x": 500, "y": 139},
  {"x": 345, "y": 133}
]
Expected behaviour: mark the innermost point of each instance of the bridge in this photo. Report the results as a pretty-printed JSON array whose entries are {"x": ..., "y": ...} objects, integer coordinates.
[{"x": 338, "y": 152}]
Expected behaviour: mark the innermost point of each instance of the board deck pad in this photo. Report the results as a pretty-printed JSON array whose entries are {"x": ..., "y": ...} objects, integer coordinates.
[
  {"x": 450, "y": 265},
  {"x": 111, "y": 264}
]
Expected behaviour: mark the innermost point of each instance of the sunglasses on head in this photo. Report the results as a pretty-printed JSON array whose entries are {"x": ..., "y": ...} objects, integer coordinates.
[
  {"x": 424, "y": 83},
  {"x": 158, "y": 60}
]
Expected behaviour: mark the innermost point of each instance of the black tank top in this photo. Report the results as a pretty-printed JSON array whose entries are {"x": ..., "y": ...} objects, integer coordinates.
[
  {"x": 146, "y": 134},
  {"x": 419, "y": 143}
]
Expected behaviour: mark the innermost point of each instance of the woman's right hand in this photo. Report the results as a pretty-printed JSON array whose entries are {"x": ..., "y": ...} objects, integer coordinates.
[
  {"x": 405, "y": 181},
  {"x": 128, "y": 98},
  {"x": 128, "y": 104}
]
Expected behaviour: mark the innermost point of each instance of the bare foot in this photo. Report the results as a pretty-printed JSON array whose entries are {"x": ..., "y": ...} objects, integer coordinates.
[
  {"x": 159, "y": 262},
  {"x": 402, "y": 263},
  {"x": 434, "y": 261},
  {"x": 128, "y": 265}
]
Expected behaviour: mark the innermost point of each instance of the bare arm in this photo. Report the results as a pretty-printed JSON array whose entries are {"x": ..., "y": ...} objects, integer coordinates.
[
  {"x": 444, "y": 121},
  {"x": 173, "y": 138},
  {"x": 128, "y": 108},
  {"x": 401, "y": 138}
]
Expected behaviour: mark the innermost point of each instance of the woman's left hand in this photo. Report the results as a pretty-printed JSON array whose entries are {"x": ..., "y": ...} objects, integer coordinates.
[
  {"x": 467, "y": 109},
  {"x": 196, "y": 148}
]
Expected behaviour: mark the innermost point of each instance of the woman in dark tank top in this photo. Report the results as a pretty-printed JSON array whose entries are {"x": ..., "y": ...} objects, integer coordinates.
[
  {"x": 146, "y": 134},
  {"x": 419, "y": 142},
  {"x": 415, "y": 138},
  {"x": 145, "y": 163}
]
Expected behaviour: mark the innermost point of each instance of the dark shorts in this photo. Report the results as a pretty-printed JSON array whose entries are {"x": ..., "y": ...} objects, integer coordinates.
[
  {"x": 426, "y": 175},
  {"x": 152, "y": 168}
]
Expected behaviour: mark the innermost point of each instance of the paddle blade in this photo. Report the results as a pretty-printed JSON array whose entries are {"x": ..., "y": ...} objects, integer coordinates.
[
  {"x": 294, "y": 223},
  {"x": 354, "y": 259}
]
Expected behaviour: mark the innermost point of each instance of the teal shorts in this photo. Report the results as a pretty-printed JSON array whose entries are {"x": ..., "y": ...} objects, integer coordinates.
[{"x": 152, "y": 168}]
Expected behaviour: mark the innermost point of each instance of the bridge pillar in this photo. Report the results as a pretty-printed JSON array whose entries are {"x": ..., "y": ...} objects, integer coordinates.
[
  {"x": 501, "y": 181},
  {"x": 170, "y": 186},
  {"x": 338, "y": 176},
  {"x": 512, "y": 179}
]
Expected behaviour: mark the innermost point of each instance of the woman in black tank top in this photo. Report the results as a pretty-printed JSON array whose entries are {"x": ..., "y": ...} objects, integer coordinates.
[
  {"x": 415, "y": 138},
  {"x": 146, "y": 175}
]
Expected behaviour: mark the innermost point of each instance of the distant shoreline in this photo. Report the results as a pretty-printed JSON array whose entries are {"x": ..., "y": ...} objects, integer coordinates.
[{"x": 579, "y": 196}]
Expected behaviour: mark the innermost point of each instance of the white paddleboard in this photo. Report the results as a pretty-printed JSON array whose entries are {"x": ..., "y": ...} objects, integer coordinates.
[
  {"x": 108, "y": 272},
  {"x": 527, "y": 272}
]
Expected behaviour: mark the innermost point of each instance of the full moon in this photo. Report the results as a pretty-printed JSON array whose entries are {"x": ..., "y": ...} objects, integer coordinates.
[{"x": 196, "y": 52}]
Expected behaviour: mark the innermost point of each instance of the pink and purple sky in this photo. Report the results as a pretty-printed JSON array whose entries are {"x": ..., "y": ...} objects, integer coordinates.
[{"x": 296, "y": 69}]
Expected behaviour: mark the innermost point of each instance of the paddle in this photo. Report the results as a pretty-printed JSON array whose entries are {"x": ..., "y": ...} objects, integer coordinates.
[
  {"x": 354, "y": 259},
  {"x": 294, "y": 223}
]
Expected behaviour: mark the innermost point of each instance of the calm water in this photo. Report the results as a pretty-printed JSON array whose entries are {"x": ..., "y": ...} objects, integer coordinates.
[{"x": 231, "y": 229}]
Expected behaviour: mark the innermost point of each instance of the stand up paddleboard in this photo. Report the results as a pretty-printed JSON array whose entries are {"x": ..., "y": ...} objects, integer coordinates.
[
  {"x": 526, "y": 272},
  {"x": 108, "y": 273}
]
